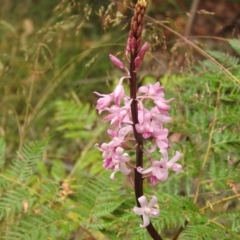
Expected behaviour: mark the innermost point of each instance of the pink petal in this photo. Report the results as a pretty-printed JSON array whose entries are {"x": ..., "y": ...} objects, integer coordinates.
[
  {"x": 124, "y": 170},
  {"x": 148, "y": 170},
  {"x": 103, "y": 102},
  {"x": 111, "y": 133},
  {"x": 156, "y": 164},
  {"x": 162, "y": 143},
  {"x": 176, "y": 157},
  {"x": 138, "y": 210},
  {"x": 176, "y": 167},
  {"x": 112, "y": 176},
  {"x": 118, "y": 94},
  {"x": 146, "y": 221},
  {"x": 152, "y": 202},
  {"x": 153, "y": 180},
  {"x": 164, "y": 153},
  {"x": 146, "y": 135},
  {"x": 161, "y": 175},
  {"x": 119, "y": 151},
  {"x": 139, "y": 169},
  {"x": 128, "y": 44},
  {"x": 99, "y": 94},
  {"x": 97, "y": 147},
  {"x": 143, "y": 89},
  {"x": 116, "y": 61},
  {"x": 137, "y": 62},
  {"x": 162, "y": 118},
  {"x": 107, "y": 162},
  {"x": 143, "y": 201},
  {"x": 143, "y": 50},
  {"x": 154, "y": 212},
  {"x": 161, "y": 105}
]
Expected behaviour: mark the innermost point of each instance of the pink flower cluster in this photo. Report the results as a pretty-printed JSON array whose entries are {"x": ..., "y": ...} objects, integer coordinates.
[
  {"x": 150, "y": 126},
  {"x": 153, "y": 113}
]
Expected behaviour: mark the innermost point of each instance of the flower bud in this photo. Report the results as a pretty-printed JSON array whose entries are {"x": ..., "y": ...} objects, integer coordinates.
[
  {"x": 118, "y": 94},
  {"x": 116, "y": 61}
]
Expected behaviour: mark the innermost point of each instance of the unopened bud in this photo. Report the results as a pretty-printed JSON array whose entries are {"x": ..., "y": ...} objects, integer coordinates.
[
  {"x": 137, "y": 25},
  {"x": 116, "y": 61}
]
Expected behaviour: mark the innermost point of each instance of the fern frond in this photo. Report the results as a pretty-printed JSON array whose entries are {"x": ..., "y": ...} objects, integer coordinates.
[
  {"x": 208, "y": 231},
  {"x": 220, "y": 174},
  {"x": 4, "y": 183},
  {"x": 232, "y": 219},
  {"x": 49, "y": 224},
  {"x": 26, "y": 164},
  {"x": 224, "y": 140},
  {"x": 175, "y": 211},
  {"x": 75, "y": 119},
  {"x": 138, "y": 233},
  {"x": 12, "y": 202},
  {"x": 2, "y": 152},
  {"x": 235, "y": 44},
  {"x": 100, "y": 204},
  {"x": 225, "y": 59},
  {"x": 98, "y": 200}
]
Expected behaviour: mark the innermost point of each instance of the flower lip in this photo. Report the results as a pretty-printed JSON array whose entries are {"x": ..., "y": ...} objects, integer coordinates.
[{"x": 118, "y": 94}]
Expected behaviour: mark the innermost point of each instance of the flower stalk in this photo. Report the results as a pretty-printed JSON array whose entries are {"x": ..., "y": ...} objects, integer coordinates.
[
  {"x": 132, "y": 124},
  {"x": 134, "y": 45}
]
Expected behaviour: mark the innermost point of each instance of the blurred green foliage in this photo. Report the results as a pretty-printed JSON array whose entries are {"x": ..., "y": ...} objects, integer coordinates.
[{"x": 53, "y": 55}]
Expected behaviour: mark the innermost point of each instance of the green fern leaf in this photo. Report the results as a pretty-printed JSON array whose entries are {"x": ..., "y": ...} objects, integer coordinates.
[
  {"x": 75, "y": 119},
  {"x": 12, "y": 202},
  {"x": 26, "y": 164},
  {"x": 224, "y": 58},
  {"x": 235, "y": 44},
  {"x": 2, "y": 152},
  {"x": 49, "y": 224}
]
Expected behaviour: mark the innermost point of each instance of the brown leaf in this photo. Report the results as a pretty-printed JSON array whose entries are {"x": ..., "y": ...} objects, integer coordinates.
[
  {"x": 233, "y": 186},
  {"x": 25, "y": 206}
]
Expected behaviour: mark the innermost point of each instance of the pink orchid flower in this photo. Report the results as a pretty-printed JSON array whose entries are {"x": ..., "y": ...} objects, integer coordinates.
[
  {"x": 159, "y": 169},
  {"x": 146, "y": 210},
  {"x": 152, "y": 90},
  {"x": 103, "y": 102}
]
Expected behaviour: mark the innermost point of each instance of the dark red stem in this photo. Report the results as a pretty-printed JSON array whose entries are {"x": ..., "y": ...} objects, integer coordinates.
[{"x": 138, "y": 180}]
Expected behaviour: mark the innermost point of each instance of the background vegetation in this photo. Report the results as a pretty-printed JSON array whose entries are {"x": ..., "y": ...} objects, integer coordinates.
[{"x": 53, "y": 55}]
